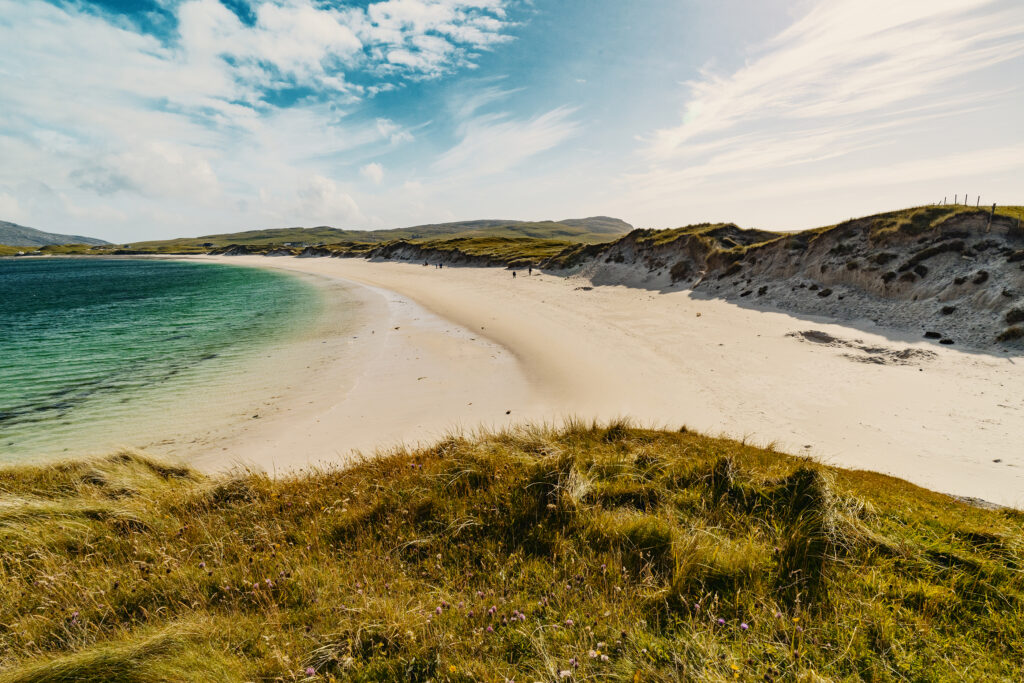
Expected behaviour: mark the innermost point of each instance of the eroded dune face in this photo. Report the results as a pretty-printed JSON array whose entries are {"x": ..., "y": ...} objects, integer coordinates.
[{"x": 957, "y": 277}]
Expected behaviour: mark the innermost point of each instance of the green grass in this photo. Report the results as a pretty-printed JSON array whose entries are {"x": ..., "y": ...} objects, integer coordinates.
[
  {"x": 589, "y": 230},
  {"x": 605, "y": 551},
  {"x": 506, "y": 249},
  {"x": 557, "y": 243}
]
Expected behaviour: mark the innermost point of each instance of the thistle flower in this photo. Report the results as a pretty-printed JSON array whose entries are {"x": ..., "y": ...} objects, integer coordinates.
[
  {"x": 744, "y": 626},
  {"x": 569, "y": 622},
  {"x": 721, "y": 622},
  {"x": 310, "y": 671}
]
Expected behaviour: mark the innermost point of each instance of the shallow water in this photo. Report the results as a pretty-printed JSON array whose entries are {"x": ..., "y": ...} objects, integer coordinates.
[{"x": 91, "y": 348}]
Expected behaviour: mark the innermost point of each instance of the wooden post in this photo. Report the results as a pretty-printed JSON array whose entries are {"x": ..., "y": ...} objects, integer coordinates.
[
  {"x": 956, "y": 197},
  {"x": 990, "y": 216},
  {"x": 978, "y": 203}
]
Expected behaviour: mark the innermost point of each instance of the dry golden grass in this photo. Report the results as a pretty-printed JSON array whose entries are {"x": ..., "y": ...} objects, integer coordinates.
[{"x": 586, "y": 552}]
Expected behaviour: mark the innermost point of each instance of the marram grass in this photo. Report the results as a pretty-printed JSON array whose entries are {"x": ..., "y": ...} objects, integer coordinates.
[{"x": 586, "y": 552}]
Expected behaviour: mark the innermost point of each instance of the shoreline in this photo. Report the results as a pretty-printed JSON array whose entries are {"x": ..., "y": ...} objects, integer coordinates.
[
  {"x": 189, "y": 403},
  {"x": 943, "y": 419},
  {"x": 399, "y": 376}
]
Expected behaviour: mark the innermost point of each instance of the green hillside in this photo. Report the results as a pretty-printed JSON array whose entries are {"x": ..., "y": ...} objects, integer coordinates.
[
  {"x": 16, "y": 235},
  {"x": 587, "y": 553},
  {"x": 587, "y": 230}
]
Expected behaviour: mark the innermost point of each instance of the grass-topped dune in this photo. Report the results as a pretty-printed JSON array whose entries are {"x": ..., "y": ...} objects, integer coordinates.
[{"x": 582, "y": 553}]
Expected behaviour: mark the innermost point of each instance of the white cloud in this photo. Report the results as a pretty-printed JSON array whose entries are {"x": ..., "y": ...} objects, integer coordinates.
[
  {"x": 846, "y": 89},
  {"x": 373, "y": 172},
  {"x": 847, "y": 59},
  {"x": 393, "y": 132},
  {"x": 492, "y": 143},
  {"x": 10, "y": 209},
  {"x": 183, "y": 131},
  {"x": 322, "y": 202}
]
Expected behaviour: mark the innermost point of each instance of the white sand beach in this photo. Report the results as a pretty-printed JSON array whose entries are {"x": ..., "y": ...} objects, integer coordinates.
[{"x": 457, "y": 348}]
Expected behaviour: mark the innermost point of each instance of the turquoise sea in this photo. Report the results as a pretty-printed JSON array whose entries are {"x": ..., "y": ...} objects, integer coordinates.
[{"x": 89, "y": 347}]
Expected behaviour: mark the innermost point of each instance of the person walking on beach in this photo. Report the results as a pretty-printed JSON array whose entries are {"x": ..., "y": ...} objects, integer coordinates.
[
  {"x": 513, "y": 274},
  {"x": 529, "y": 270}
]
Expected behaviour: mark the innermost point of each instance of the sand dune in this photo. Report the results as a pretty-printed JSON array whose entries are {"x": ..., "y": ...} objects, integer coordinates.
[{"x": 545, "y": 347}]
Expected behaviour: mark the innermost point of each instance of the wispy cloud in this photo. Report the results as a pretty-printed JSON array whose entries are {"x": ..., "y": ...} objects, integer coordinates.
[
  {"x": 850, "y": 59},
  {"x": 373, "y": 172},
  {"x": 493, "y": 143},
  {"x": 848, "y": 77}
]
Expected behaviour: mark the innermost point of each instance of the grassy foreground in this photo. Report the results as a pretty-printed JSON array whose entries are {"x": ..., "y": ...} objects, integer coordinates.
[{"x": 589, "y": 552}]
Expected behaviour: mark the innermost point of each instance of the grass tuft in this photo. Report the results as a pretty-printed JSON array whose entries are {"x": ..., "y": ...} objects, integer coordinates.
[{"x": 606, "y": 551}]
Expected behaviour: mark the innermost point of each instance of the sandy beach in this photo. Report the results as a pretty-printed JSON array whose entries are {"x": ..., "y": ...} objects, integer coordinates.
[{"x": 458, "y": 348}]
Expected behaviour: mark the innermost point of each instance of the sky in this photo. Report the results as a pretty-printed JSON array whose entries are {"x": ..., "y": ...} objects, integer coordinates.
[{"x": 148, "y": 119}]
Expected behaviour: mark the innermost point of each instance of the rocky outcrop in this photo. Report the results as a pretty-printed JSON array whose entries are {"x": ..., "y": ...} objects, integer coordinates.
[
  {"x": 403, "y": 250},
  {"x": 314, "y": 252}
]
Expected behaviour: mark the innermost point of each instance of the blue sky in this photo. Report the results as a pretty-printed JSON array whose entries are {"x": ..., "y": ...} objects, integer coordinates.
[{"x": 132, "y": 120}]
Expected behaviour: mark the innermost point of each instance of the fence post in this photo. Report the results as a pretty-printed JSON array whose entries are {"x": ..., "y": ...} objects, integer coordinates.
[
  {"x": 978, "y": 203},
  {"x": 990, "y": 216}
]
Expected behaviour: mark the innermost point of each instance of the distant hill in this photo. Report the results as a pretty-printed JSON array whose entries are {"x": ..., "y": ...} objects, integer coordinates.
[
  {"x": 577, "y": 230},
  {"x": 19, "y": 236}
]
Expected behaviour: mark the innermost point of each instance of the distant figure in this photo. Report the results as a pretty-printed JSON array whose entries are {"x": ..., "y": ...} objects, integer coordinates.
[
  {"x": 529, "y": 270},
  {"x": 513, "y": 274}
]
